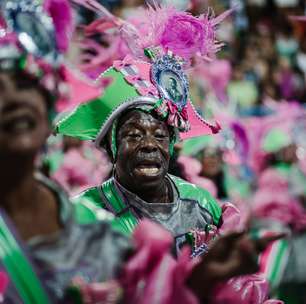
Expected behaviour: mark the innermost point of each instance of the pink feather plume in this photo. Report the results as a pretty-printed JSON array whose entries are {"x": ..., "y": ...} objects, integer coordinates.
[
  {"x": 180, "y": 32},
  {"x": 162, "y": 26},
  {"x": 61, "y": 13}
]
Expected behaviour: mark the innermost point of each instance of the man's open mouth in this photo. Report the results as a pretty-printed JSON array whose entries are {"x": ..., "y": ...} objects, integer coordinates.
[{"x": 148, "y": 168}]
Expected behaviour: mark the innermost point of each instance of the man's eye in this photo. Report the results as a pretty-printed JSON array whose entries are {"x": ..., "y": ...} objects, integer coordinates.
[
  {"x": 134, "y": 135},
  {"x": 161, "y": 136}
]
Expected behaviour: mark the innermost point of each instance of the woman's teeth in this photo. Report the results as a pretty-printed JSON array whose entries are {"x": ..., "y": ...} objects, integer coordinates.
[{"x": 18, "y": 125}]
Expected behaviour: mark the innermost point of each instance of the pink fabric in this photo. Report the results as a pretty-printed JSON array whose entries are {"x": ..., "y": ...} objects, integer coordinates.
[
  {"x": 272, "y": 179},
  {"x": 280, "y": 207},
  {"x": 4, "y": 281},
  {"x": 203, "y": 237},
  {"x": 217, "y": 74},
  {"x": 82, "y": 168},
  {"x": 79, "y": 89},
  {"x": 126, "y": 61},
  {"x": 153, "y": 275},
  {"x": 273, "y": 201},
  {"x": 298, "y": 18},
  {"x": 198, "y": 125},
  {"x": 256, "y": 158},
  {"x": 107, "y": 292},
  {"x": 284, "y": 117},
  {"x": 192, "y": 168},
  {"x": 204, "y": 183},
  {"x": 251, "y": 289},
  {"x": 143, "y": 72},
  {"x": 232, "y": 220}
]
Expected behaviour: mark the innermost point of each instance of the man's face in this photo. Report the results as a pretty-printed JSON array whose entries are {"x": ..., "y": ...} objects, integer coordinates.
[
  {"x": 143, "y": 152},
  {"x": 23, "y": 116}
]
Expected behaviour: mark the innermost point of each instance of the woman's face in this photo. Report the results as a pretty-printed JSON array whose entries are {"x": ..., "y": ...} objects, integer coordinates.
[
  {"x": 211, "y": 162},
  {"x": 24, "y": 122}
]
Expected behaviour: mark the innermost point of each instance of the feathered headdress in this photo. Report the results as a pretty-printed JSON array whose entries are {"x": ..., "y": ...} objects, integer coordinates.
[{"x": 161, "y": 44}]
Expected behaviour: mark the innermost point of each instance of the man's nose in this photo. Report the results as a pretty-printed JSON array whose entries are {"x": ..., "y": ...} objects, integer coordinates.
[{"x": 149, "y": 144}]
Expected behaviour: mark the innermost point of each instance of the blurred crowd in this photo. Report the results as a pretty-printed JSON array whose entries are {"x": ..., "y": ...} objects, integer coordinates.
[{"x": 267, "y": 54}]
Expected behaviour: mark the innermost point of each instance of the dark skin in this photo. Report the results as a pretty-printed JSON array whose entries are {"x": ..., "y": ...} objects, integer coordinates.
[
  {"x": 211, "y": 162},
  {"x": 24, "y": 128},
  {"x": 143, "y": 156},
  {"x": 143, "y": 144}
]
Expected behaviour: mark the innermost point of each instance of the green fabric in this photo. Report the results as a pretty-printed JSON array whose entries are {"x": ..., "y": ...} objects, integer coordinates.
[
  {"x": 86, "y": 121},
  {"x": 283, "y": 168},
  {"x": 275, "y": 140},
  {"x": 84, "y": 206},
  {"x": 235, "y": 185},
  {"x": 89, "y": 209},
  {"x": 19, "y": 268},
  {"x": 194, "y": 145},
  {"x": 126, "y": 222},
  {"x": 279, "y": 257},
  {"x": 54, "y": 160},
  {"x": 243, "y": 92},
  {"x": 125, "y": 217}
]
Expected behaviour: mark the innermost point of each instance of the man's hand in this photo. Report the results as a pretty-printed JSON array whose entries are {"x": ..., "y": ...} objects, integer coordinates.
[{"x": 230, "y": 255}]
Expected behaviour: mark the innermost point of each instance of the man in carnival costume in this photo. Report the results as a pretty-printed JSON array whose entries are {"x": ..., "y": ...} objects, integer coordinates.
[
  {"x": 138, "y": 123},
  {"x": 56, "y": 259}
]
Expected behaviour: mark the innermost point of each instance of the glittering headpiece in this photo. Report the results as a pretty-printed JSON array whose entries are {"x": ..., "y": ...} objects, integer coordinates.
[
  {"x": 151, "y": 76},
  {"x": 34, "y": 36}
]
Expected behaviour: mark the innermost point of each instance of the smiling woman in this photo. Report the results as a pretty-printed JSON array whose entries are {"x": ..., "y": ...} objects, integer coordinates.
[{"x": 24, "y": 116}]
